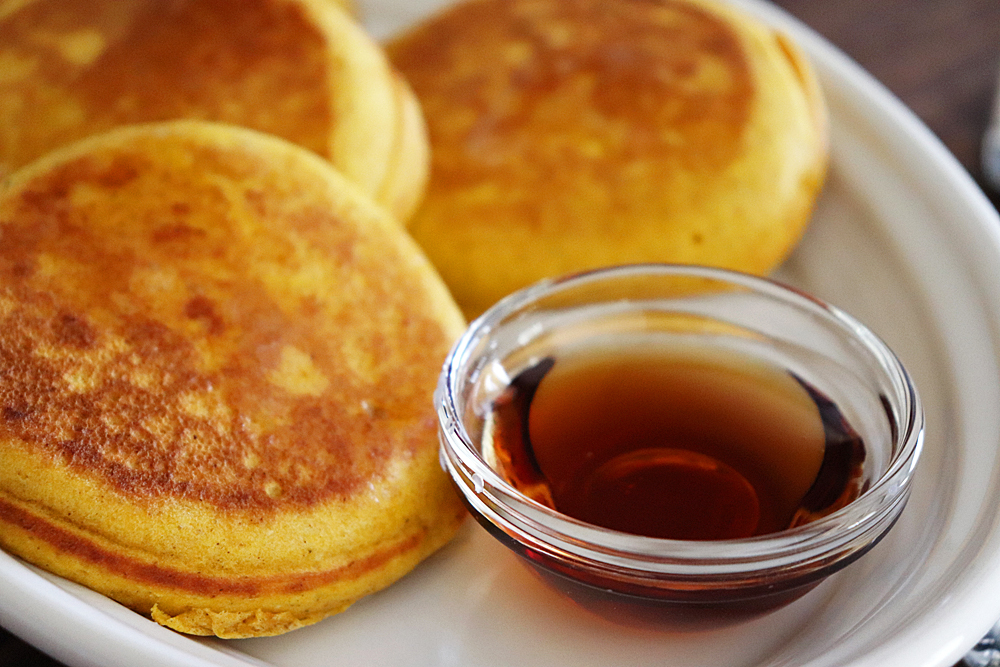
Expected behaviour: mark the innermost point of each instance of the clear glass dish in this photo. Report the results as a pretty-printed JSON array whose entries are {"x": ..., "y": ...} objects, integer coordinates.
[{"x": 815, "y": 341}]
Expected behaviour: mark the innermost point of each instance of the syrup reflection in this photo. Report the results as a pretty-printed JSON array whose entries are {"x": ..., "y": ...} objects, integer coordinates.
[{"x": 552, "y": 618}]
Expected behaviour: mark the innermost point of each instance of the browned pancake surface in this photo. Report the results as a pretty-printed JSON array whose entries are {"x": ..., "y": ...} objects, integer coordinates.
[
  {"x": 144, "y": 60},
  {"x": 578, "y": 86},
  {"x": 216, "y": 366},
  {"x": 570, "y": 134},
  {"x": 145, "y": 347},
  {"x": 299, "y": 69}
]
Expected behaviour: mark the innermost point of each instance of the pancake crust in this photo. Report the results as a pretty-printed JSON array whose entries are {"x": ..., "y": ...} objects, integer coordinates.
[
  {"x": 571, "y": 134},
  {"x": 300, "y": 69},
  {"x": 216, "y": 367}
]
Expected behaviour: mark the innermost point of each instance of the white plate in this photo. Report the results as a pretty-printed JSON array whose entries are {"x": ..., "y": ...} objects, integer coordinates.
[{"x": 902, "y": 239}]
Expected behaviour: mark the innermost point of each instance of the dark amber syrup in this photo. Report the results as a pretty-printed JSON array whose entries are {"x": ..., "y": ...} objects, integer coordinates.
[{"x": 678, "y": 443}]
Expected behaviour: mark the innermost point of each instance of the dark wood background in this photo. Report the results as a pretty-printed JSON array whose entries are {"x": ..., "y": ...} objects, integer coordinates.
[{"x": 940, "y": 57}]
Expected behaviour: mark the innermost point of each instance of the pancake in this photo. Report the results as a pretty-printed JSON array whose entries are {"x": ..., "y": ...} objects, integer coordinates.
[
  {"x": 217, "y": 359},
  {"x": 300, "y": 69},
  {"x": 572, "y": 134},
  {"x": 346, "y": 5}
]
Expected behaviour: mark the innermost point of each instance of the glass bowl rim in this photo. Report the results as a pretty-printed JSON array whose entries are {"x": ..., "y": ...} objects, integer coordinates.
[{"x": 862, "y": 521}]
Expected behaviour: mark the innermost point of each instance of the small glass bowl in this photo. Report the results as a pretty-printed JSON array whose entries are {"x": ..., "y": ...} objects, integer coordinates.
[{"x": 819, "y": 343}]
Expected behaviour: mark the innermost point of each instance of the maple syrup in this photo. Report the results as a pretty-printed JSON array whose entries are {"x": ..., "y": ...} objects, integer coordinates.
[{"x": 673, "y": 442}]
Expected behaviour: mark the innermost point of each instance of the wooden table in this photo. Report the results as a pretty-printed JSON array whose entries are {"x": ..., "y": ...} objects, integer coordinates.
[{"x": 940, "y": 57}]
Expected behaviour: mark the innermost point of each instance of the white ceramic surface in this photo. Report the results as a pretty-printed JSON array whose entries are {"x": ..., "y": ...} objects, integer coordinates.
[{"x": 902, "y": 239}]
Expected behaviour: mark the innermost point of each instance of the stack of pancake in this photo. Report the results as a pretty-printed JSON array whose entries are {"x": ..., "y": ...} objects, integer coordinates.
[
  {"x": 303, "y": 70},
  {"x": 237, "y": 238},
  {"x": 573, "y": 134},
  {"x": 218, "y": 343}
]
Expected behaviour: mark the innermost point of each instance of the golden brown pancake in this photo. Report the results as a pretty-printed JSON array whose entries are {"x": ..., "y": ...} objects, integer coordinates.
[
  {"x": 346, "y": 5},
  {"x": 300, "y": 69},
  {"x": 571, "y": 134},
  {"x": 216, "y": 365}
]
